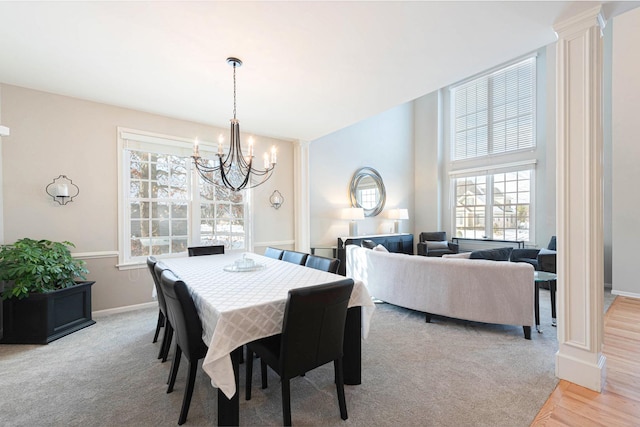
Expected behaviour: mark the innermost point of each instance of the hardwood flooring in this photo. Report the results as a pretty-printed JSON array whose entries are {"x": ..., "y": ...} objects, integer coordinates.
[{"x": 619, "y": 403}]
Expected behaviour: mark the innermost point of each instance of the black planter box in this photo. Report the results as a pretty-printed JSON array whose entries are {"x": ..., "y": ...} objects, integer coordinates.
[{"x": 42, "y": 318}]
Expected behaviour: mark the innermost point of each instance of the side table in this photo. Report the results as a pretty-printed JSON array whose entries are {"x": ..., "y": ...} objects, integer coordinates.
[{"x": 539, "y": 277}]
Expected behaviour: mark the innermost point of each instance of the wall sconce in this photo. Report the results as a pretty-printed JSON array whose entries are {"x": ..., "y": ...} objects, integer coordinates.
[
  {"x": 276, "y": 200},
  {"x": 353, "y": 214},
  {"x": 62, "y": 190},
  {"x": 398, "y": 214}
]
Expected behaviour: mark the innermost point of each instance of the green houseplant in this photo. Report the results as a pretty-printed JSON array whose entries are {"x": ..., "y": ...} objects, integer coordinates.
[
  {"x": 36, "y": 266},
  {"x": 45, "y": 294}
]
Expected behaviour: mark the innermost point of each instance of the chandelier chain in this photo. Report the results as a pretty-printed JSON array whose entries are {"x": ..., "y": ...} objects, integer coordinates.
[{"x": 234, "y": 90}]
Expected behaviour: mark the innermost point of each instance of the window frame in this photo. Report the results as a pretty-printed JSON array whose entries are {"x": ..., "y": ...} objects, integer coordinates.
[
  {"x": 493, "y": 163},
  {"x": 132, "y": 139}
]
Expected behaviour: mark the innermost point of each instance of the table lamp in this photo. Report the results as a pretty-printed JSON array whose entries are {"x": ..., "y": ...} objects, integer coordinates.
[{"x": 397, "y": 215}]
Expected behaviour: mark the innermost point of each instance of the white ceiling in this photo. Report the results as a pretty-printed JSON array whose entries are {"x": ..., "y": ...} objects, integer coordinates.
[{"x": 310, "y": 68}]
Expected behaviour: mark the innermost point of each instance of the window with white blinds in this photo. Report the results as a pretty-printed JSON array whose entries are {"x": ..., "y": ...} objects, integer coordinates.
[{"x": 495, "y": 113}]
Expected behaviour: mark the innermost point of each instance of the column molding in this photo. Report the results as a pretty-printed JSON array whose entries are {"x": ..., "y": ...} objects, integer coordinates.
[
  {"x": 579, "y": 203},
  {"x": 301, "y": 210}
]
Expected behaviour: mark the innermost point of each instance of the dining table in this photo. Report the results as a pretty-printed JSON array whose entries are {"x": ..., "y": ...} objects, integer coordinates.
[{"x": 241, "y": 297}]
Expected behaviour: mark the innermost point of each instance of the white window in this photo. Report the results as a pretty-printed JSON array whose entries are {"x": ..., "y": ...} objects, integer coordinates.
[
  {"x": 494, "y": 205},
  {"x": 493, "y": 118},
  {"x": 165, "y": 207},
  {"x": 495, "y": 113}
]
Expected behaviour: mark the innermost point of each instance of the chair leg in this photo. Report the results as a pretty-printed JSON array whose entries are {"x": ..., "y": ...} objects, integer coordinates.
[
  {"x": 286, "y": 401},
  {"x": 337, "y": 365},
  {"x": 249, "y": 370},
  {"x": 168, "y": 342},
  {"x": 175, "y": 364},
  {"x": 263, "y": 372},
  {"x": 186, "y": 401},
  {"x": 159, "y": 325},
  {"x": 162, "y": 354}
]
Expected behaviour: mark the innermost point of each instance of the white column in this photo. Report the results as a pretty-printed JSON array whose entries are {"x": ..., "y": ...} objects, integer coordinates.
[
  {"x": 301, "y": 190},
  {"x": 579, "y": 200}
]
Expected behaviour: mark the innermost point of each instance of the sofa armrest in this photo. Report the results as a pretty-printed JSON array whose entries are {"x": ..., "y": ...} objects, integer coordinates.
[
  {"x": 422, "y": 248},
  {"x": 547, "y": 260},
  {"x": 454, "y": 247}
]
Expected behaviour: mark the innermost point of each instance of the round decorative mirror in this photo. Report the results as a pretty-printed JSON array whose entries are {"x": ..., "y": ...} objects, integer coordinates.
[{"x": 367, "y": 191}]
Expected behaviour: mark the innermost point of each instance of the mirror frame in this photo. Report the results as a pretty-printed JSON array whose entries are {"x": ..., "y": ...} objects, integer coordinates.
[{"x": 367, "y": 172}]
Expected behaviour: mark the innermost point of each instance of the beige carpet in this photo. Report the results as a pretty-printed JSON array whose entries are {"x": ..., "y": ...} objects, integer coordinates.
[{"x": 447, "y": 373}]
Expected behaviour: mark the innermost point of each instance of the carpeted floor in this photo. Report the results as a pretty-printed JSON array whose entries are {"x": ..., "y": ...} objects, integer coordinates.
[{"x": 446, "y": 373}]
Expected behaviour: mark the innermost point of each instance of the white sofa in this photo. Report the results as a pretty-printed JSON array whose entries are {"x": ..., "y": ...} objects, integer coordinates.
[{"x": 499, "y": 292}]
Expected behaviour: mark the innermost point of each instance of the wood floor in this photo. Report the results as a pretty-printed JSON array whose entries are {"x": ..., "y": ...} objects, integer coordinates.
[{"x": 619, "y": 402}]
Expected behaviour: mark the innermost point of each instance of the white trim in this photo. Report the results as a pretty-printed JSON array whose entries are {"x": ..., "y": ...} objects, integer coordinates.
[
  {"x": 625, "y": 294},
  {"x": 493, "y": 70},
  {"x": 275, "y": 243},
  {"x": 125, "y": 309},
  {"x": 95, "y": 255},
  {"x": 490, "y": 168}
]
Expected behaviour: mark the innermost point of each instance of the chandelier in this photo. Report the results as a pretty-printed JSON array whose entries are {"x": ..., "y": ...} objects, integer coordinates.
[{"x": 234, "y": 171}]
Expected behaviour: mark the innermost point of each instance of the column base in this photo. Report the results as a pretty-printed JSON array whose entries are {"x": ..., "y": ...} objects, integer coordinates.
[{"x": 581, "y": 372}]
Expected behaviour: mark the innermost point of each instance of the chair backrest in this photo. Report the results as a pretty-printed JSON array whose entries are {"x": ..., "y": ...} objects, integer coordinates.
[
  {"x": 151, "y": 263},
  {"x": 433, "y": 236},
  {"x": 295, "y": 257},
  {"x": 323, "y": 263},
  {"x": 182, "y": 314},
  {"x": 274, "y": 253},
  {"x": 313, "y": 326},
  {"x": 206, "y": 250}
]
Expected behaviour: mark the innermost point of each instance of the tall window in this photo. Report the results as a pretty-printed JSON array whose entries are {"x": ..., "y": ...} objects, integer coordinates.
[
  {"x": 166, "y": 208},
  {"x": 494, "y": 205},
  {"x": 492, "y": 117}
]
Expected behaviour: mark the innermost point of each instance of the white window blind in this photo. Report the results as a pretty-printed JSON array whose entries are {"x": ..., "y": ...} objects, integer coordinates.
[{"x": 495, "y": 113}]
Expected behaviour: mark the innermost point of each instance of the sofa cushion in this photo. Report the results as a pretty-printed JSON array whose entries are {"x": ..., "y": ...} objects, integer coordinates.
[
  {"x": 380, "y": 248},
  {"x": 498, "y": 254},
  {"x": 369, "y": 244},
  {"x": 437, "y": 245}
]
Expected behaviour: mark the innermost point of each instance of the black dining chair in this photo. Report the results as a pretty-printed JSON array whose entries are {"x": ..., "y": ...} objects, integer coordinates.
[
  {"x": 163, "y": 319},
  {"x": 206, "y": 250},
  {"x": 294, "y": 257},
  {"x": 323, "y": 263},
  {"x": 188, "y": 328},
  {"x": 274, "y": 253},
  {"x": 312, "y": 335}
]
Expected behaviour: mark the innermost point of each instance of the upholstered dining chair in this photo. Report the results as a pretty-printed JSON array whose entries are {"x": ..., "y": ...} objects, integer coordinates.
[
  {"x": 188, "y": 328},
  {"x": 323, "y": 263},
  {"x": 294, "y": 257},
  {"x": 274, "y": 253},
  {"x": 206, "y": 250},
  {"x": 312, "y": 335},
  {"x": 163, "y": 319}
]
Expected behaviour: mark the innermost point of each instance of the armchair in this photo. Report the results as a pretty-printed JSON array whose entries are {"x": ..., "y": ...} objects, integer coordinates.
[
  {"x": 542, "y": 259},
  {"x": 435, "y": 244}
]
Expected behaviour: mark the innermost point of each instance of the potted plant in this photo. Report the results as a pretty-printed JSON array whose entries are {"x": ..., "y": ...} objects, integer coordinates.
[{"x": 42, "y": 297}]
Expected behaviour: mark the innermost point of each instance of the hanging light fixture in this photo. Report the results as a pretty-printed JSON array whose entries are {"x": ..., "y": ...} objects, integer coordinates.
[{"x": 234, "y": 171}]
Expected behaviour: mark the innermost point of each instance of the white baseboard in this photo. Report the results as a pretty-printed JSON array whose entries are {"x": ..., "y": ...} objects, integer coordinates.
[
  {"x": 110, "y": 311},
  {"x": 625, "y": 294}
]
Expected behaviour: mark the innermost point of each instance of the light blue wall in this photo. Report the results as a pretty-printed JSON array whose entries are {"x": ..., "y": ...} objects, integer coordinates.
[{"x": 383, "y": 142}]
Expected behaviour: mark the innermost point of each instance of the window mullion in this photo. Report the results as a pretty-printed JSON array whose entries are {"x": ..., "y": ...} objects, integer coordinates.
[{"x": 488, "y": 213}]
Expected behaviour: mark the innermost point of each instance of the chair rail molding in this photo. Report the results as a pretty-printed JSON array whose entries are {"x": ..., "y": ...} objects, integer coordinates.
[{"x": 579, "y": 203}]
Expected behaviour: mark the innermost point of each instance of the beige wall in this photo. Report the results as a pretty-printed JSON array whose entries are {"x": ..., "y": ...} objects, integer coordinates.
[{"x": 53, "y": 135}]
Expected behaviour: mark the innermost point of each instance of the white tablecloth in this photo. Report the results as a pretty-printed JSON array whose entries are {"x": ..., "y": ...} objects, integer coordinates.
[{"x": 239, "y": 307}]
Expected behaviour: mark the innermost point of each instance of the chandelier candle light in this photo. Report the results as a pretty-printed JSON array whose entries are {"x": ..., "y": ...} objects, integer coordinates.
[{"x": 234, "y": 171}]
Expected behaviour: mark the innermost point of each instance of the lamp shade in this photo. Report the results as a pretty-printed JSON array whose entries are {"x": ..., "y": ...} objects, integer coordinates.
[
  {"x": 399, "y": 214},
  {"x": 353, "y": 214}
]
